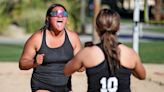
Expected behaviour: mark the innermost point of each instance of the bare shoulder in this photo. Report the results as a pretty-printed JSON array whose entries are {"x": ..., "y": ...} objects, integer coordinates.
[
  {"x": 90, "y": 50},
  {"x": 72, "y": 34},
  {"x": 93, "y": 48},
  {"x": 128, "y": 56},
  {"x": 75, "y": 40},
  {"x": 86, "y": 52},
  {"x": 91, "y": 56},
  {"x": 130, "y": 59},
  {"x": 35, "y": 36},
  {"x": 35, "y": 39},
  {"x": 126, "y": 50}
]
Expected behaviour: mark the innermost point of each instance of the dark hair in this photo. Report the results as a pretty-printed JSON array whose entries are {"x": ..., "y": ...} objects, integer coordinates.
[
  {"x": 107, "y": 23},
  {"x": 46, "y": 26},
  {"x": 53, "y": 6}
]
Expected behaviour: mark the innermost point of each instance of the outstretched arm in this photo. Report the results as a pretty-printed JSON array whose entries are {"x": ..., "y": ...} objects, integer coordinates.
[
  {"x": 75, "y": 40},
  {"x": 74, "y": 65}
]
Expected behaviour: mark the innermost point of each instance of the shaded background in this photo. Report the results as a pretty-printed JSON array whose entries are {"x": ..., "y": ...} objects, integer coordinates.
[{"x": 20, "y": 18}]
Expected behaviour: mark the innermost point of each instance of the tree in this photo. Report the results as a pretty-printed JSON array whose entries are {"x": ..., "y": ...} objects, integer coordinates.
[
  {"x": 97, "y": 6},
  {"x": 157, "y": 13},
  {"x": 146, "y": 11}
]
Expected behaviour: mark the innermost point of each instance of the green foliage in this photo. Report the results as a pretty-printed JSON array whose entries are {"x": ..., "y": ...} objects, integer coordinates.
[
  {"x": 31, "y": 20},
  {"x": 74, "y": 18},
  {"x": 30, "y": 14},
  {"x": 4, "y": 16}
]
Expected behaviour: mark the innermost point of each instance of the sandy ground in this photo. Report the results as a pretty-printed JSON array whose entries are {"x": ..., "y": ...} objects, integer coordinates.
[{"x": 14, "y": 80}]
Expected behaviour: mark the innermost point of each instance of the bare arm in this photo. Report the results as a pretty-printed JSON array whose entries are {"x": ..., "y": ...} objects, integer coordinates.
[
  {"x": 85, "y": 58},
  {"x": 26, "y": 61},
  {"x": 130, "y": 59},
  {"x": 76, "y": 50},
  {"x": 77, "y": 44},
  {"x": 73, "y": 65},
  {"x": 139, "y": 70},
  {"x": 75, "y": 40}
]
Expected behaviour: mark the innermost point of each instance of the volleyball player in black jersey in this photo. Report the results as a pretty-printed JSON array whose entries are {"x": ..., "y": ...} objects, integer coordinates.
[
  {"x": 108, "y": 64},
  {"x": 48, "y": 50}
]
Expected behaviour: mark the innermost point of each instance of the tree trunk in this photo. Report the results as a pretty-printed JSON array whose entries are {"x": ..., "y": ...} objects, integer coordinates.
[
  {"x": 82, "y": 12},
  {"x": 146, "y": 11},
  {"x": 97, "y": 5},
  {"x": 157, "y": 13}
]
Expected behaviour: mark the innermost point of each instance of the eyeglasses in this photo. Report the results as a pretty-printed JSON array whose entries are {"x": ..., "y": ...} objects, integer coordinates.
[{"x": 58, "y": 13}]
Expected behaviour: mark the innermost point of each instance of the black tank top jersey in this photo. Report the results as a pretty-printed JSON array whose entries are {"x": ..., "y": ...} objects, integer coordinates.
[
  {"x": 51, "y": 70},
  {"x": 100, "y": 78}
]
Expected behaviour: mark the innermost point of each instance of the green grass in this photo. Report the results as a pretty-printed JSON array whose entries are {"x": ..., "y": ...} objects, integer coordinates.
[
  {"x": 150, "y": 52},
  {"x": 10, "y": 52}
]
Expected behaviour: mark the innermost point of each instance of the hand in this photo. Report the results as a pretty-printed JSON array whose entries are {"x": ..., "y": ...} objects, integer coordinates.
[
  {"x": 81, "y": 69},
  {"x": 39, "y": 59}
]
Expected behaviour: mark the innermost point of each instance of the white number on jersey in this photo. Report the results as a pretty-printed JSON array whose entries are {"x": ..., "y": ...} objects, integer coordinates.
[{"x": 109, "y": 85}]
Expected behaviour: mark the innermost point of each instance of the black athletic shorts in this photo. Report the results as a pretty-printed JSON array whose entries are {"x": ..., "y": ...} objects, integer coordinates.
[{"x": 37, "y": 85}]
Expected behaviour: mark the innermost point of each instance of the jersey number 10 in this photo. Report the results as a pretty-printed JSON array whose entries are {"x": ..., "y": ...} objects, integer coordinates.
[{"x": 109, "y": 85}]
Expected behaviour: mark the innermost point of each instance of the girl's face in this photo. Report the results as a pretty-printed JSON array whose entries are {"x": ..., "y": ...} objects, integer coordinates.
[{"x": 58, "y": 18}]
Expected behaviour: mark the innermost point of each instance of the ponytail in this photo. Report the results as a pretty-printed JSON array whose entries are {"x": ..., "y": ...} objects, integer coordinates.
[
  {"x": 107, "y": 24},
  {"x": 109, "y": 42}
]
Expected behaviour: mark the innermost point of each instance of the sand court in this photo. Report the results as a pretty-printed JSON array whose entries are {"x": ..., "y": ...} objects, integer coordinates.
[{"x": 14, "y": 80}]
